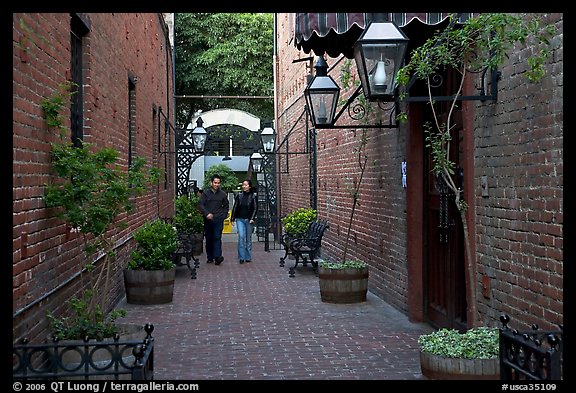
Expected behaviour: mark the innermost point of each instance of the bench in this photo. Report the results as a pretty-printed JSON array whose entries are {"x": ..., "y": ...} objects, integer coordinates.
[
  {"x": 186, "y": 245},
  {"x": 46, "y": 361},
  {"x": 305, "y": 247},
  {"x": 535, "y": 355}
]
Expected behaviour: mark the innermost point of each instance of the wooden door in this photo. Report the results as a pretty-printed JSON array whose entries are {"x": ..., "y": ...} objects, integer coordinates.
[{"x": 444, "y": 266}]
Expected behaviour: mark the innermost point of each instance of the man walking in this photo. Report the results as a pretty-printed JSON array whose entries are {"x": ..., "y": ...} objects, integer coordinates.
[{"x": 214, "y": 207}]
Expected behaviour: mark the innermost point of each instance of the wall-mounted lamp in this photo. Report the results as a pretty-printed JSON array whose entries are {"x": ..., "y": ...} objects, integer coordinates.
[
  {"x": 379, "y": 53},
  {"x": 322, "y": 95},
  {"x": 256, "y": 161},
  {"x": 268, "y": 138},
  {"x": 199, "y": 136}
]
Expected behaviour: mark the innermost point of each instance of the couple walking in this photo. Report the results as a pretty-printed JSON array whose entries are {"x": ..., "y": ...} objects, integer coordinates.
[{"x": 214, "y": 207}]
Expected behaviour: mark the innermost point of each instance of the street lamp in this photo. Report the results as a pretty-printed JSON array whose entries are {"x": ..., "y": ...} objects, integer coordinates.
[
  {"x": 322, "y": 94},
  {"x": 379, "y": 53},
  {"x": 268, "y": 137},
  {"x": 256, "y": 161},
  {"x": 199, "y": 136}
]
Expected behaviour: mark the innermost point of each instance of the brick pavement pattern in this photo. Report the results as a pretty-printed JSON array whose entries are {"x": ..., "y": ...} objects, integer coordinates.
[{"x": 253, "y": 322}]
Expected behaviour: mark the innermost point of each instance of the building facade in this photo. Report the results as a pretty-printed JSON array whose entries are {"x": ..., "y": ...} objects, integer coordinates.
[
  {"x": 509, "y": 158},
  {"x": 122, "y": 63}
]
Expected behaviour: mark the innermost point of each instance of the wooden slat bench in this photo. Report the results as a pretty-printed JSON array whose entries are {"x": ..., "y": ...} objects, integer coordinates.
[{"x": 306, "y": 247}]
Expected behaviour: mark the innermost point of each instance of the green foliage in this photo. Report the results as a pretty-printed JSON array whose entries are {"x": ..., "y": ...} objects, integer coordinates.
[
  {"x": 296, "y": 222},
  {"x": 482, "y": 41},
  {"x": 349, "y": 264},
  {"x": 92, "y": 189},
  {"x": 84, "y": 322},
  {"x": 156, "y": 240},
  {"x": 89, "y": 192},
  {"x": 229, "y": 178},
  {"x": 52, "y": 107},
  {"x": 225, "y": 54},
  {"x": 476, "y": 343},
  {"x": 188, "y": 218}
]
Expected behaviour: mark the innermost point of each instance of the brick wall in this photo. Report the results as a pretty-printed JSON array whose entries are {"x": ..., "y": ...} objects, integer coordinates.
[
  {"x": 378, "y": 234},
  {"x": 519, "y": 225},
  {"x": 45, "y": 254},
  {"x": 518, "y": 228}
]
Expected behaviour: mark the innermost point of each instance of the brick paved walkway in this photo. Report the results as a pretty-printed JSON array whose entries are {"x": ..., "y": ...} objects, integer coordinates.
[{"x": 253, "y": 322}]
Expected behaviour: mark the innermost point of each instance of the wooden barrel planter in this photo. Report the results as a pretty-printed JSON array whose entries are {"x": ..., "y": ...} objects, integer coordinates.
[
  {"x": 149, "y": 286},
  {"x": 440, "y": 367},
  {"x": 343, "y": 285}
]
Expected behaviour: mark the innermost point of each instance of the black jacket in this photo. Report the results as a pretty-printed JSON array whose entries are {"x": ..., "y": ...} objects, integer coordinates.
[
  {"x": 252, "y": 203},
  {"x": 215, "y": 203}
]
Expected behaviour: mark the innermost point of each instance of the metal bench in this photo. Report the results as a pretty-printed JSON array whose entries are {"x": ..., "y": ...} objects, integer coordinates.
[
  {"x": 186, "y": 250},
  {"x": 306, "y": 247},
  {"x": 46, "y": 361},
  {"x": 534, "y": 355}
]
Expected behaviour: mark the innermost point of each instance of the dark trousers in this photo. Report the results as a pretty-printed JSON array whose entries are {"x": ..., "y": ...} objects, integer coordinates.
[{"x": 213, "y": 233}]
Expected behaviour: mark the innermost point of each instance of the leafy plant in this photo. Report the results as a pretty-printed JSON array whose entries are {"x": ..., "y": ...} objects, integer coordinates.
[
  {"x": 187, "y": 218},
  {"x": 349, "y": 264},
  {"x": 89, "y": 191},
  {"x": 476, "y": 343},
  {"x": 296, "y": 222},
  {"x": 85, "y": 323},
  {"x": 156, "y": 240},
  {"x": 481, "y": 43},
  {"x": 229, "y": 178}
]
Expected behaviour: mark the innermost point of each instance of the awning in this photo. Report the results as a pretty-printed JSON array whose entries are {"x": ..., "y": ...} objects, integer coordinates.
[{"x": 336, "y": 33}]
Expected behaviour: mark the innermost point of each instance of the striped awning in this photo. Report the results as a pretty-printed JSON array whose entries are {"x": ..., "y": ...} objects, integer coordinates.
[{"x": 336, "y": 33}]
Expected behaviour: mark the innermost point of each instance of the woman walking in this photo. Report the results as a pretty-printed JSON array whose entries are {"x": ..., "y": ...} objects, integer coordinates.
[{"x": 244, "y": 214}]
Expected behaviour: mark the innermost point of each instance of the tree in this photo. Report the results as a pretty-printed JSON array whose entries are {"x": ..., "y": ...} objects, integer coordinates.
[
  {"x": 226, "y": 54},
  {"x": 229, "y": 181},
  {"x": 482, "y": 42}
]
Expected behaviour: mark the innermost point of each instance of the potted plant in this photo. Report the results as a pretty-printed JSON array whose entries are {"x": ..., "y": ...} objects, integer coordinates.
[
  {"x": 88, "y": 192},
  {"x": 189, "y": 222},
  {"x": 297, "y": 221},
  {"x": 343, "y": 282},
  {"x": 295, "y": 224},
  {"x": 449, "y": 354},
  {"x": 149, "y": 276},
  {"x": 346, "y": 281}
]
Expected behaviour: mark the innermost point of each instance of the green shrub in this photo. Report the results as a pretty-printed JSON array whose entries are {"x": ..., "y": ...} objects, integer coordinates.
[
  {"x": 476, "y": 343},
  {"x": 296, "y": 222},
  {"x": 350, "y": 264},
  {"x": 157, "y": 240},
  {"x": 85, "y": 322},
  {"x": 187, "y": 218}
]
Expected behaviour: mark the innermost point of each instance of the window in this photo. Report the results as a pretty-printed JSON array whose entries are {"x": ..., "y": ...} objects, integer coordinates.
[
  {"x": 131, "y": 117},
  {"x": 79, "y": 27}
]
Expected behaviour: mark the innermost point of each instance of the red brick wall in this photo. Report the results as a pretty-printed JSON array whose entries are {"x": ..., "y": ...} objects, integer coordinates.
[
  {"x": 518, "y": 228},
  {"x": 45, "y": 254},
  {"x": 519, "y": 225},
  {"x": 378, "y": 233}
]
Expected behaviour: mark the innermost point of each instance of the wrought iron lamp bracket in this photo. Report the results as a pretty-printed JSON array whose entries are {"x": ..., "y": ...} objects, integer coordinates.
[{"x": 358, "y": 112}]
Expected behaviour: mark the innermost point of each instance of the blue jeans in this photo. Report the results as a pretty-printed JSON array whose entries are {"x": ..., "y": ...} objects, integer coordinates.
[
  {"x": 244, "y": 239},
  {"x": 213, "y": 233}
]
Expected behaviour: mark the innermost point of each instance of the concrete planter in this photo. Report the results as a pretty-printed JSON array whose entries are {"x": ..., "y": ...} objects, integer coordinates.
[{"x": 439, "y": 367}]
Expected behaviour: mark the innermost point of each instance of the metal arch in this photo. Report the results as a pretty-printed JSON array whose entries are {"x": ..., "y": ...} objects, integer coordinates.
[{"x": 186, "y": 156}]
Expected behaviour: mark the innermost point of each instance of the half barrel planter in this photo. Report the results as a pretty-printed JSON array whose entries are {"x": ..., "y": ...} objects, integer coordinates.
[
  {"x": 343, "y": 286},
  {"x": 149, "y": 286},
  {"x": 440, "y": 367}
]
